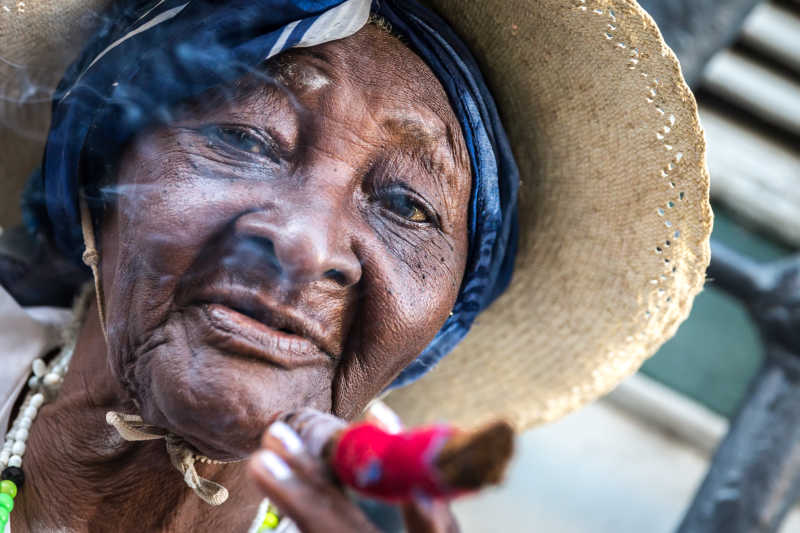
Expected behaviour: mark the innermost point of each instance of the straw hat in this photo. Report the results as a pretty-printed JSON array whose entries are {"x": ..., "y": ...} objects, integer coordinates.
[
  {"x": 614, "y": 211},
  {"x": 38, "y": 39}
]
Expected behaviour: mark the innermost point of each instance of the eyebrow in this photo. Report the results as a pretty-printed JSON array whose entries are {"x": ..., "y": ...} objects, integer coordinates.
[
  {"x": 308, "y": 76},
  {"x": 419, "y": 136}
]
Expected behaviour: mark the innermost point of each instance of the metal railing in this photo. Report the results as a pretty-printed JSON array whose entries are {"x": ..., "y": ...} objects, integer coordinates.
[{"x": 754, "y": 478}]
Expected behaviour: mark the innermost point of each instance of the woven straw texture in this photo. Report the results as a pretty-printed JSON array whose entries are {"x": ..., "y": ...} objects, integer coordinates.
[
  {"x": 614, "y": 211},
  {"x": 38, "y": 39}
]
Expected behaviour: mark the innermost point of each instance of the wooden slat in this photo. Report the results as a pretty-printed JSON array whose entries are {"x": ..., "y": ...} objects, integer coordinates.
[
  {"x": 775, "y": 30},
  {"x": 753, "y": 175},
  {"x": 770, "y": 94}
]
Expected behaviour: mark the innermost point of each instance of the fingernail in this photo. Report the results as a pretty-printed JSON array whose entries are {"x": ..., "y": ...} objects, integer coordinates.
[
  {"x": 275, "y": 465},
  {"x": 388, "y": 418},
  {"x": 291, "y": 441}
]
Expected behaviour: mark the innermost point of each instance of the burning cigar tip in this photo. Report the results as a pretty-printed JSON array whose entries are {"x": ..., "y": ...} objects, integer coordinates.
[{"x": 473, "y": 459}]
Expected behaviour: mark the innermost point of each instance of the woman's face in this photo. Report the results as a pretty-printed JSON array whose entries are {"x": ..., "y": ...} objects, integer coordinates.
[{"x": 295, "y": 245}]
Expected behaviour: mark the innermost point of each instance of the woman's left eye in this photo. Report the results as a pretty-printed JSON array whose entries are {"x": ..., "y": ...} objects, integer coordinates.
[
  {"x": 405, "y": 206},
  {"x": 242, "y": 139}
]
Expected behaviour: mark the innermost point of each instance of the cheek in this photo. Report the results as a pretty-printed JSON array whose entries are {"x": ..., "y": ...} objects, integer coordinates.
[
  {"x": 409, "y": 291},
  {"x": 167, "y": 213},
  {"x": 422, "y": 275},
  {"x": 420, "y": 298}
]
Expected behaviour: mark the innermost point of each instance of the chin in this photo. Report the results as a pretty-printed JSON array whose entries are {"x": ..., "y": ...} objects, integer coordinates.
[{"x": 221, "y": 403}]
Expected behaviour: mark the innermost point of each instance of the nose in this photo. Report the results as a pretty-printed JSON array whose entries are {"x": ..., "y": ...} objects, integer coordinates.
[{"x": 302, "y": 246}]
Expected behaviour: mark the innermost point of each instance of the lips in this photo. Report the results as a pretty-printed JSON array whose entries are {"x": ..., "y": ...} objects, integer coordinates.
[{"x": 245, "y": 323}]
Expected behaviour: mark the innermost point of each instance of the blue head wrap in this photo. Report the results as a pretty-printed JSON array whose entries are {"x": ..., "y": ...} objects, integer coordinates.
[{"x": 150, "y": 56}]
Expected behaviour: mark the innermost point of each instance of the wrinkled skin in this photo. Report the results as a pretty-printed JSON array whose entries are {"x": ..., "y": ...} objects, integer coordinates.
[
  {"x": 319, "y": 223},
  {"x": 295, "y": 245}
]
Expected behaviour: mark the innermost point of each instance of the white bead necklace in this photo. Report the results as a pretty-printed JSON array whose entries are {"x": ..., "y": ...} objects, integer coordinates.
[{"x": 43, "y": 387}]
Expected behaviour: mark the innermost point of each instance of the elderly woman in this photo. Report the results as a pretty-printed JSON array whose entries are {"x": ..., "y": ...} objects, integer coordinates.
[{"x": 299, "y": 204}]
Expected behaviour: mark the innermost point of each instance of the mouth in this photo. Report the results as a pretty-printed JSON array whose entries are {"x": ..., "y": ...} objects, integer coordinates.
[{"x": 244, "y": 324}]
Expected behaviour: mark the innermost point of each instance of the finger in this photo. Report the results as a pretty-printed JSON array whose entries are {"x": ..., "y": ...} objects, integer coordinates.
[
  {"x": 286, "y": 443},
  {"x": 429, "y": 516},
  {"x": 315, "y": 428},
  {"x": 276, "y": 480},
  {"x": 313, "y": 507},
  {"x": 287, "y": 436}
]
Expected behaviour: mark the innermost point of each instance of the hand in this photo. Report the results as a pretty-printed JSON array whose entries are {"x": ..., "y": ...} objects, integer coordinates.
[{"x": 302, "y": 487}]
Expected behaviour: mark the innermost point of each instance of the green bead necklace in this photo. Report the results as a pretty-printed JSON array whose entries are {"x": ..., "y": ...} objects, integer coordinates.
[{"x": 43, "y": 385}]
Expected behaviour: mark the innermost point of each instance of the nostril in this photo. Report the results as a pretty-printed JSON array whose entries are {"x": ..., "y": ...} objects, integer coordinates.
[
  {"x": 295, "y": 248},
  {"x": 337, "y": 276}
]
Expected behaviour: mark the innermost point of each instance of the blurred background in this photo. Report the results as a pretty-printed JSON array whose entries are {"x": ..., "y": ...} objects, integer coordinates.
[{"x": 633, "y": 461}]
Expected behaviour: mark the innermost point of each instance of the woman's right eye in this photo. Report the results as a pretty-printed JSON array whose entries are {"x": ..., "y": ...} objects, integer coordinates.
[{"x": 243, "y": 139}]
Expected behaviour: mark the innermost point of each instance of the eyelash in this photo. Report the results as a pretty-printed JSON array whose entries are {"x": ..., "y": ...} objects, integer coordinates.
[
  {"x": 236, "y": 137},
  {"x": 400, "y": 192}
]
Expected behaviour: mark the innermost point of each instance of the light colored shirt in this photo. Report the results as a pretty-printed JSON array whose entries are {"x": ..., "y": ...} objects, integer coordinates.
[{"x": 25, "y": 334}]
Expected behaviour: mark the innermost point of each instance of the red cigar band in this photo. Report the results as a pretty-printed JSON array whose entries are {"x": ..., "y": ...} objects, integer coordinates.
[{"x": 389, "y": 466}]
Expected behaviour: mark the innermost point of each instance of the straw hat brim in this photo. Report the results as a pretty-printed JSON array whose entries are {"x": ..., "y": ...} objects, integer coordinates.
[
  {"x": 37, "y": 42},
  {"x": 614, "y": 210}
]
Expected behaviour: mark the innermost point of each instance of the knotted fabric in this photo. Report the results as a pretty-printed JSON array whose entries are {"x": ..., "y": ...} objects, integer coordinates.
[
  {"x": 150, "y": 56},
  {"x": 182, "y": 457}
]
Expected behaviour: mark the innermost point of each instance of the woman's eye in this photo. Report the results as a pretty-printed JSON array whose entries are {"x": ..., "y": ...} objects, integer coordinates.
[
  {"x": 406, "y": 207},
  {"x": 241, "y": 139}
]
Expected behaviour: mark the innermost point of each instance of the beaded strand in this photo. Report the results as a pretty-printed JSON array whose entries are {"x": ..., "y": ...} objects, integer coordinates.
[
  {"x": 43, "y": 387},
  {"x": 268, "y": 520}
]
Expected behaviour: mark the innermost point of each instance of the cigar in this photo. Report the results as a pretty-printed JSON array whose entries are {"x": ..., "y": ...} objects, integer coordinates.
[{"x": 439, "y": 461}]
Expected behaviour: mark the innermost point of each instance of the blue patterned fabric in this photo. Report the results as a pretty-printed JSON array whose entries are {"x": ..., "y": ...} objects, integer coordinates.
[{"x": 149, "y": 56}]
